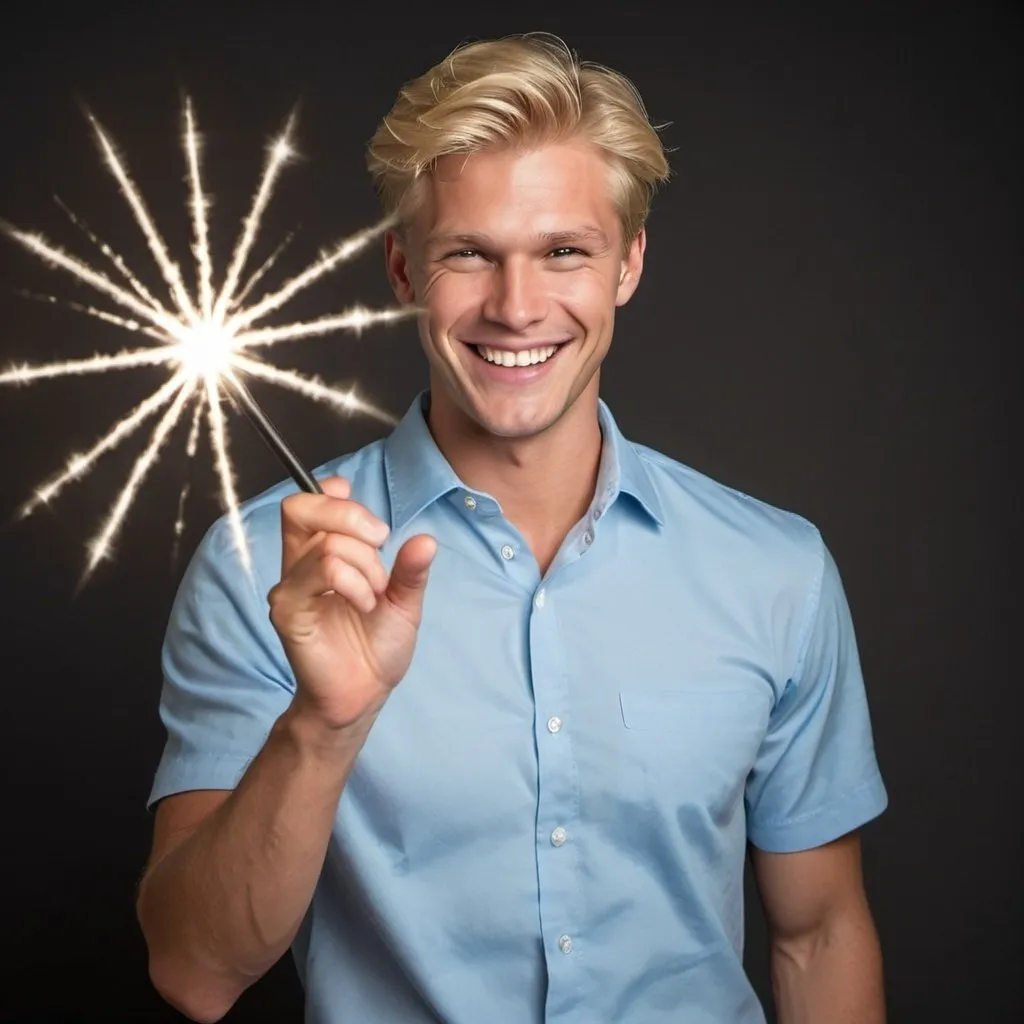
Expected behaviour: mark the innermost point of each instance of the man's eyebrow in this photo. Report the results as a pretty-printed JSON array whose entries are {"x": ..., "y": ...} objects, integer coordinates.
[
  {"x": 586, "y": 234},
  {"x": 446, "y": 239}
]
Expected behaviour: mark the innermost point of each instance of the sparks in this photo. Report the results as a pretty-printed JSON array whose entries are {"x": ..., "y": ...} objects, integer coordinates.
[{"x": 202, "y": 339}]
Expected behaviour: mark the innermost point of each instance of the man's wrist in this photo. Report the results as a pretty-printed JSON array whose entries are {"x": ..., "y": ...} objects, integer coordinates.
[{"x": 314, "y": 735}]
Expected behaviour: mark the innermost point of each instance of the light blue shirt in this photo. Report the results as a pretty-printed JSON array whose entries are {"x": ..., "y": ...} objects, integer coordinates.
[{"x": 549, "y": 820}]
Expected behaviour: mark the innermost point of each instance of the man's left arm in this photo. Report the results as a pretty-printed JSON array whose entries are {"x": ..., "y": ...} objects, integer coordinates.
[
  {"x": 815, "y": 782},
  {"x": 826, "y": 962}
]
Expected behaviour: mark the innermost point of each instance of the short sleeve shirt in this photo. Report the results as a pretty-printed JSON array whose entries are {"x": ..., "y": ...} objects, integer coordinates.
[{"x": 549, "y": 819}]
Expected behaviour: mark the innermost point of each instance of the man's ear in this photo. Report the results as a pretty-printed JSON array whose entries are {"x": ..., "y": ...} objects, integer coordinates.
[
  {"x": 397, "y": 264},
  {"x": 631, "y": 269}
]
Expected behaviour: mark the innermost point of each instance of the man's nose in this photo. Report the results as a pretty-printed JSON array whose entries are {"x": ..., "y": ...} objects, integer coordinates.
[{"x": 518, "y": 296}]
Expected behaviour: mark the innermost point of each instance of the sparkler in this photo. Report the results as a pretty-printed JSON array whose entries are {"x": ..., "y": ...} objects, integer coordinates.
[{"x": 207, "y": 339}]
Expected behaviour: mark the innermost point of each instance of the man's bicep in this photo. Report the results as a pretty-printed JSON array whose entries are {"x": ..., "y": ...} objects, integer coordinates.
[{"x": 801, "y": 891}]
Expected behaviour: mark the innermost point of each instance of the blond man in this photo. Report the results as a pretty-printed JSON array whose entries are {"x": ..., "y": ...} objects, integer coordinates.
[{"x": 493, "y": 733}]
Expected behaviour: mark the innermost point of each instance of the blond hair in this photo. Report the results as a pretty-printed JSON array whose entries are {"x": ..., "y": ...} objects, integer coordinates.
[{"x": 521, "y": 90}]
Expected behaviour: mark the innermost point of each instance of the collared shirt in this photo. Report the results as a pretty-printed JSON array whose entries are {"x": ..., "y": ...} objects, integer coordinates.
[{"x": 549, "y": 819}]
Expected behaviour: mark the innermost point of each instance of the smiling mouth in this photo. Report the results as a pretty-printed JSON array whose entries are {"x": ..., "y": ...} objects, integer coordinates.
[{"x": 526, "y": 357}]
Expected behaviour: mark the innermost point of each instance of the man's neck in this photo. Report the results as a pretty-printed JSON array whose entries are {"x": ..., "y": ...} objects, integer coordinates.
[{"x": 544, "y": 484}]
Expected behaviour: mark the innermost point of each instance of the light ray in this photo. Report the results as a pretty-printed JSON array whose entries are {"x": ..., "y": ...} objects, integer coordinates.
[
  {"x": 313, "y": 387},
  {"x": 277, "y": 154},
  {"x": 200, "y": 230},
  {"x": 100, "y": 545},
  {"x": 99, "y": 314},
  {"x": 115, "y": 258},
  {"x": 80, "y": 464},
  {"x": 191, "y": 447},
  {"x": 219, "y": 440},
  {"x": 39, "y": 246},
  {"x": 356, "y": 319},
  {"x": 157, "y": 246},
  {"x": 342, "y": 251},
  {"x": 260, "y": 271},
  {"x": 26, "y": 373}
]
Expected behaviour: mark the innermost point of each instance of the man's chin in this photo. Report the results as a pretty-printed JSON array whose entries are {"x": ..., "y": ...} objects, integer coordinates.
[
  {"x": 508, "y": 416},
  {"x": 517, "y": 421}
]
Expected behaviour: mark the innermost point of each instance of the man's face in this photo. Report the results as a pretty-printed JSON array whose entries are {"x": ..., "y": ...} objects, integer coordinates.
[{"x": 517, "y": 259}]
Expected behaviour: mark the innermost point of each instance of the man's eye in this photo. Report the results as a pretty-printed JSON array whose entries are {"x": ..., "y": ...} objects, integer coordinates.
[{"x": 561, "y": 251}]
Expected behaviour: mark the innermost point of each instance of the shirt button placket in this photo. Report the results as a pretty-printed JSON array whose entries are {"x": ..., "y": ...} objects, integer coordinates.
[{"x": 558, "y": 858}]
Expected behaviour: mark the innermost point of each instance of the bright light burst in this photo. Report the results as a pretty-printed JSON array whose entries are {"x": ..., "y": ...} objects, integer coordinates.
[{"x": 204, "y": 339}]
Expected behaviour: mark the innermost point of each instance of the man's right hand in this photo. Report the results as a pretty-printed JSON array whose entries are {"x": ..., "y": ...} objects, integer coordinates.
[{"x": 348, "y": 629}]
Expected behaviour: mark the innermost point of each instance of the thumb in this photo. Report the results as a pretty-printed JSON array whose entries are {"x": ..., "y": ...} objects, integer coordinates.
[{"x": 409, "y": 574}]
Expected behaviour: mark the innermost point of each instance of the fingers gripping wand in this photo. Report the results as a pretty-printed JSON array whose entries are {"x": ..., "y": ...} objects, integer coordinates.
[{"x": 259, "y": 419}]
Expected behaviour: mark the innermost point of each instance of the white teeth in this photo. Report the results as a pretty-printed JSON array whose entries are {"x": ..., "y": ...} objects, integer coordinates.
[{"x": 528, "y": 357}]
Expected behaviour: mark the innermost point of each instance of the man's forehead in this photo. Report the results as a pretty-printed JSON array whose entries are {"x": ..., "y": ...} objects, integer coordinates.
[{"x": 547, "y": 199}]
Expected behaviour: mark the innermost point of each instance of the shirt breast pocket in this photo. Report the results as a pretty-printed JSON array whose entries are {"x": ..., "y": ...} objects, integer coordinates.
[{"x": 695, "y": 745}]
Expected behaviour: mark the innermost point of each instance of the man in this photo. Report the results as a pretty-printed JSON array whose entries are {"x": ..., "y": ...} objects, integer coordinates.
[{"x": 522, "y": 791}]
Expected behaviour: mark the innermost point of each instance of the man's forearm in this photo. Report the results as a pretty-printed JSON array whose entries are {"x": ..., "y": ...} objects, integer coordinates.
[
  {"x": 221, "y": 908},
  {"x": 831, "y": 977}
]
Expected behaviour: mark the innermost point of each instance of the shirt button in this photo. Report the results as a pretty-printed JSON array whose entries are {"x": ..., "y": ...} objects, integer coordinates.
[
  {"x": 470, "y": 501},
  {"x": 565, "y": 944},
  {"x": 554, "y": 723},
  {"x": 558, "y": 836},
  {"x": 539, "y": 599},
  {"x": 588, "y": 537},
  {"x": 507, "y": 552}
]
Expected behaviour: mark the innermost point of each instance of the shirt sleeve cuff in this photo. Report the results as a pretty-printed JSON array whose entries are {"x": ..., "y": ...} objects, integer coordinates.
[
  {"x": 808, "y": 831},
  {"x": 180, "y": 773}
]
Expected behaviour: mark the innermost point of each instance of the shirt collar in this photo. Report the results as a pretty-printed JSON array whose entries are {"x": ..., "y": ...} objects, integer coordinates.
[
  {"x": 623, "y": 471},
  {"x": 418, "y": 474}
]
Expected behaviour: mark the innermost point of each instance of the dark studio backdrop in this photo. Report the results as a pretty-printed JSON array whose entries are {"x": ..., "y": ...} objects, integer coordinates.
[{"x": 828, "y": 321}]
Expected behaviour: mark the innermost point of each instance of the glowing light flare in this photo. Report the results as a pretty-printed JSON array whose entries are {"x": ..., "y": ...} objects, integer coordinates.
[
  {"x": 100, "y": 545},
  {"x": 226, "y": 472},
  {"x": 260, "y": 272},
  {"x": 26, "y": 373},
  {"x": 79, "y": 464},
  {"x": 356, "y": 320},
  {"x": 99, "y": 314},
  {"x": 57, "y": 257},
  {"x": 200, "y": 230},
  {"x": 314, "y": 388},
  {"x": 115, "y": 258},
  {"x": 191, "y": 447},
  {"x": 278, "y": 154},
  {"x": 205, "y": 352},
  {"x": 203, "y": 340},
  {"x": 157, "y": 246},
  {"x": 334, "y": 257}
]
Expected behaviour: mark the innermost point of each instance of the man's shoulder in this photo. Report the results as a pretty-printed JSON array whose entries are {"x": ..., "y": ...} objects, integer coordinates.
[{"x": 708, "y": 508}]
